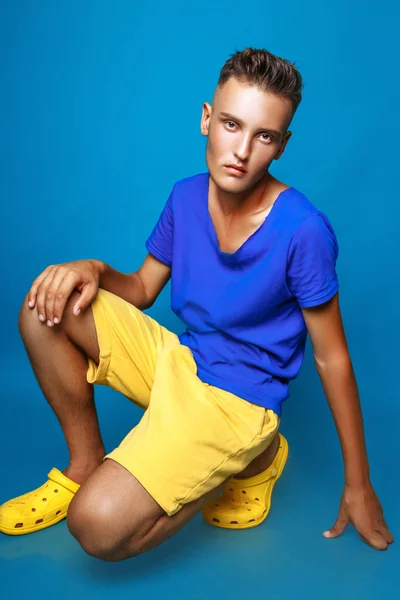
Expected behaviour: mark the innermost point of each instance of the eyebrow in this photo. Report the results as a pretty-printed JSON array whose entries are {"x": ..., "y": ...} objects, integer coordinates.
[{"x": 267, "y": 129}]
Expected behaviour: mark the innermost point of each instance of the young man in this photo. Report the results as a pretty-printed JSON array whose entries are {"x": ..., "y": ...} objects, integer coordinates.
[{"x": 252, "y": 268}]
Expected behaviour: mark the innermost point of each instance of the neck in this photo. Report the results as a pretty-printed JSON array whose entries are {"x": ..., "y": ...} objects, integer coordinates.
[{"x": 249, "y": 202}]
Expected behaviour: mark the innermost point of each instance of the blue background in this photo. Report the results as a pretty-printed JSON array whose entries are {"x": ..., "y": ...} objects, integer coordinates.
[{"x": 100, "y": 106}]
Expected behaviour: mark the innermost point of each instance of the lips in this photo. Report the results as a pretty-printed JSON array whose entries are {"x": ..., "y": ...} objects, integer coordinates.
[{"x": 237, "y": 168}]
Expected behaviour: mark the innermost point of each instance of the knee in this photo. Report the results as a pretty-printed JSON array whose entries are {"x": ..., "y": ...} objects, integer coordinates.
[
  {"x": 28, "y": 320},
  {"x": 91, "y": 525},
  {"x": 87, "y": 522}
]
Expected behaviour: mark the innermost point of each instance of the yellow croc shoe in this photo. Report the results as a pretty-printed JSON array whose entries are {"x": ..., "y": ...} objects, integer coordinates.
[
  {"x": 41, "y": 508},
  {"x": 246, "y": 502}
]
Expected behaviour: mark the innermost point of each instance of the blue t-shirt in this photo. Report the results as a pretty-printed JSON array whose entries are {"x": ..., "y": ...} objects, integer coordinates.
[{"x": 242, "y": 311}]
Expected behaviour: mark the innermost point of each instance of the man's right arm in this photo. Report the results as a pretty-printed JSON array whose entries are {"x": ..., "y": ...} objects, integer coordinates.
[
  {"x": 140, "y": 288},
  {"x": 51, "y": 290}
]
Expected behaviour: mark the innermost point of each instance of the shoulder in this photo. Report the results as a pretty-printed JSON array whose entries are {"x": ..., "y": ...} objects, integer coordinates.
[
  {"x": 187, "y": 194},
  {"x": 191, "y": 183},
  {"x": 304, "y": 216},
  {"x": 299, "y": 205}
]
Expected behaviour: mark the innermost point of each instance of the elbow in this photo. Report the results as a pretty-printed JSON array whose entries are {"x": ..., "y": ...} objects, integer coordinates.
[
  {"x": 149, "y": 304},
  {"x": 144, "y": 303},
  {"x": 336, "y": 361}
]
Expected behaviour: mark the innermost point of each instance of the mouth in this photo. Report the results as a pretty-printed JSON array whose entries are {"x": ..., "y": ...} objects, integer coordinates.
[{"x": 235, "y": 169}]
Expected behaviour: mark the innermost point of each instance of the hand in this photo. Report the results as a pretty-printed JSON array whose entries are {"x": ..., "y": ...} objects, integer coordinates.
[
  {"x": 360, "y": 507},
  {"x": 51, "y": 290}
]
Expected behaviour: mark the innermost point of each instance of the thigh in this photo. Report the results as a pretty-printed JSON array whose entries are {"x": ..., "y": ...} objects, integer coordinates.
[
  {"x": 129, "y": 345},
  {"x": 110, "y": 508},
  {"x": 194, "y": 436},
  {"x": 113, "y": 516},
  {"x": 191, "y": 440},
  {"x": 81, "y": 330}
]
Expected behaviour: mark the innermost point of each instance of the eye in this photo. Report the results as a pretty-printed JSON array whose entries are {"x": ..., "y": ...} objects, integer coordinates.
[
  {"x": 229, "y": 123},
  {"x": 268, "y": 138}
]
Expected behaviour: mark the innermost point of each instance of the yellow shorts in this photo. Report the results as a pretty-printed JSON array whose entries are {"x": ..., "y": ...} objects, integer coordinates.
[{"x": 192, "y": 436}]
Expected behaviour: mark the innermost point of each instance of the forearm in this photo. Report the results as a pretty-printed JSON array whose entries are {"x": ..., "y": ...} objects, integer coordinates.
[
  {"x": 127, "y": 286},
  {"x": 340, "y": 387}
]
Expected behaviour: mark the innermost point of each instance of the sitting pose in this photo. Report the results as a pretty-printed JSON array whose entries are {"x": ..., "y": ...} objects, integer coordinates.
[{"x": 252, "y": 268}]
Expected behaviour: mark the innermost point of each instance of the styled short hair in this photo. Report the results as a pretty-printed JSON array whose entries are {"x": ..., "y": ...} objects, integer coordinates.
[{"x": 265, "y": 70}]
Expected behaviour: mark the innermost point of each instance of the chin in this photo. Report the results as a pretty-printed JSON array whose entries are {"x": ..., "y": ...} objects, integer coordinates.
[
  {"x": 232, "y": 186},
  {"x": 226, "y": 182}
]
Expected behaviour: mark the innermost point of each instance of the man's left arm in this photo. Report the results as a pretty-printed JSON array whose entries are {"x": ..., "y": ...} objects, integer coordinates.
[{"x": 359, "y": 504}]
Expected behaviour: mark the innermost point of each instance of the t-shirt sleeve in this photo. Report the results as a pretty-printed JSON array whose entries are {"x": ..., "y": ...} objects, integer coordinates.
[
  {"x": 311, "y": 265},
  {"x": 160, "y": 241}
]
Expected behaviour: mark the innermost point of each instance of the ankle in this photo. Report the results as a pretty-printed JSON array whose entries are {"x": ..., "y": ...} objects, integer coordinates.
[{"x": 79, "y": 472}]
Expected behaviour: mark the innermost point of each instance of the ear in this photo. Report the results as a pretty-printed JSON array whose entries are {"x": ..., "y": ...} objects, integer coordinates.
[
  {"x": 205, "y": 118},
  {"x": 282, "y": 147}
]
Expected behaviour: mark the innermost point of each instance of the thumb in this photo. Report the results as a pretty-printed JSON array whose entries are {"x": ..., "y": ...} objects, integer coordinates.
[
  {"x": 87, "y": 296},
  {"x": 341, "y": 523}
]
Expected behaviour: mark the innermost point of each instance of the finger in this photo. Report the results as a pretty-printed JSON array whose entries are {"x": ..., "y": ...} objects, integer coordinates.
[
  {"x": 87, "y": 296},
  {"x": 65, "y": 289},
  {"x": 42, "y": 294},
  {"x": 58, "y": 287},
  {"x": 371, "y": 535},
  {"x": 374, "y": 539},
  {"x": 32, "y": 294},
  {"x": 382, "y": 522},
  {"x": 341, "y": 523},
  {"x": 384, "y": 529},
  {"x": 385, "y": 533}
]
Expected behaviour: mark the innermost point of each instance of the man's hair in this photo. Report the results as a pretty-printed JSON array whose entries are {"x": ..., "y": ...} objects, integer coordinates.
[{"x": 265, "y": 70}]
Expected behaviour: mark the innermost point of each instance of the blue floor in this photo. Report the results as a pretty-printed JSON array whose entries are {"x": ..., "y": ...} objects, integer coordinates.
[{"x": 286, "y": 557}]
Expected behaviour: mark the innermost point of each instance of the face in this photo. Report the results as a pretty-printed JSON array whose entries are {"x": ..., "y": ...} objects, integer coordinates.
[{"x": 246, "y": 127}]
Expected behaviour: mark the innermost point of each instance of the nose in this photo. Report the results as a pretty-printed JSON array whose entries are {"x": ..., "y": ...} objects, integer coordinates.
[{"x": 244, "y": 148}]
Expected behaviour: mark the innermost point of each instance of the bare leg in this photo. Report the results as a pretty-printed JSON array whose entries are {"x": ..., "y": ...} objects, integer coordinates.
[
  {"x": 114, "y": 517},
  {"x": 58, "y": 356}
]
